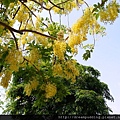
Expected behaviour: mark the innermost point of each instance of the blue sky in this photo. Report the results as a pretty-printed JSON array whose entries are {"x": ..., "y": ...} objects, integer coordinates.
[{"x": 105, "y": 58}]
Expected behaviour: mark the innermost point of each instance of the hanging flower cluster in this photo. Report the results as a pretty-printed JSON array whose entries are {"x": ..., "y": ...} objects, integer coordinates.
[
  {"x": 110, "y": 13},
  {"x": 59, "y": 49},
  {"x": 81, "y": 28},
  {"x": 50, "y": 90}
]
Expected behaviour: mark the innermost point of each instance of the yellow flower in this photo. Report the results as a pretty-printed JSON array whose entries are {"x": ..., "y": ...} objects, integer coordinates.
[
  {"x": 57, "y": 70},
  {"x": 34, "y": 83},
  {"x": 0, "y": 40},
  {"x": 59, "y": 49},
  {"x": 110, "y": 13},
  {"x": 11, "y": 5},
  {"x": 5, "y": 79},
  {"x": 80, "y": 29},
  {"x": 28, "y": 89},
  {"x": 50, "y": 90},
  {"x": 23, "y": 41},
  {"x": 42, "y": 87},
  {"x": 34, "y": 56},
  {"x": 24, "y": 38},
  {"x": 70, "y": 70},
  {"x": 18, "y": 97},
  {"x": 56, "y": 10},
  {"x": 73, "y": 80},
  {"x": 60, "y": 35}
]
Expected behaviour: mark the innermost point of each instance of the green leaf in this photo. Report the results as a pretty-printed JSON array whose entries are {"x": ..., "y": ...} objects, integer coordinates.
[
  {"x": 86, "y": 55},
  {"x": 99, "y": 4},
  {"x": 46, "y": 1},
  {"x": 95, "y": 5},
  {"x": 6, "y": 2},
  {"x": 5, "y": 55},
  {"x": 97, "y": 16}
]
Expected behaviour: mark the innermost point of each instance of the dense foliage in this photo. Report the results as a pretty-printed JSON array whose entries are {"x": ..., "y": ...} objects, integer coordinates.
[{"x": 71, "y": 99}]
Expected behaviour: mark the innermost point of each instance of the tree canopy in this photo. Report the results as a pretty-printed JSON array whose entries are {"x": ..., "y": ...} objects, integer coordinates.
[
  {"x": 71, "y": 99},
  {"x": 43, "y": 50}
]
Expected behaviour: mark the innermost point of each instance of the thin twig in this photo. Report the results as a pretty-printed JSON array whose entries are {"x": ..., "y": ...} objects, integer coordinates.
[
  {"x": 93, "y": 37},
  {"x": 50, "y": 16},
  {"x": 27, "y": 21},
  {"x": 32, "y": 22},
  {"x": 15, "y": 39},
  {"x": 40, "y": 5},
  {"x": 31, "y": 63},
  {"x": 60, "y": 4},
  {"x": 86, "y": 3},
  {"x": 16, "y": 12},
  {"x": 28, "y": 9},
  {"x": 55, "y": 5},
  {"x": 60, "y": 19},
  {"x": 44, "y": 24},
  {"x": 68, "y": 20},
  {"x": 20, "y": 25}
]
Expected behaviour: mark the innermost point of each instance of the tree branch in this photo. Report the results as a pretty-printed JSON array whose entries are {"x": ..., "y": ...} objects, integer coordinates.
[
  {"x": 25, "y": 30},
  {"x": 10, "y": 28},
  {"x": 33, "y": 31}
]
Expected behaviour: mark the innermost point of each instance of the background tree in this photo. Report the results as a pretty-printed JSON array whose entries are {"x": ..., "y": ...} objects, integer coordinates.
[{"x": 86, "y": 97}]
